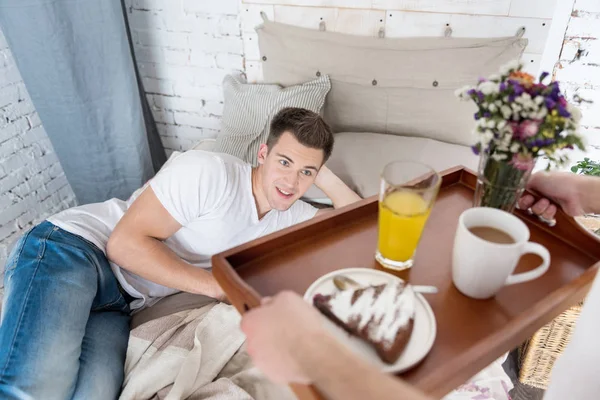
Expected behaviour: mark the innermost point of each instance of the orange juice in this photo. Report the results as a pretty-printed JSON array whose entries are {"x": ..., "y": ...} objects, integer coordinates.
[{"x": 402, "y": 217}]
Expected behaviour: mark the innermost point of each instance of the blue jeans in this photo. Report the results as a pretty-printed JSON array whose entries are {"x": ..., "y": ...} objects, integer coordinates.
[{"x": 65, "y": 324}]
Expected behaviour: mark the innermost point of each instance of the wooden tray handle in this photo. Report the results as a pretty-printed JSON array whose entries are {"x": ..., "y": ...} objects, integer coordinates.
[{"x": 242, "y": 296}]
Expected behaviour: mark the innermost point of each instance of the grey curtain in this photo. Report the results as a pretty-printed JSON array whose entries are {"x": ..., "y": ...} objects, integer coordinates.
[{"x": 76, "y": 60}]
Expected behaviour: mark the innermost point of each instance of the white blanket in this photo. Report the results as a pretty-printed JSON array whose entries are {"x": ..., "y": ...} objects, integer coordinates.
[
  {"x": 199, "y": 354},
  {"x": 194, "y": 354}
]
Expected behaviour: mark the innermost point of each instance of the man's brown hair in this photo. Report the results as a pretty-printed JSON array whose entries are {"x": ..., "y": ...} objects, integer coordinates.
[{"x": 307, "y": 127}]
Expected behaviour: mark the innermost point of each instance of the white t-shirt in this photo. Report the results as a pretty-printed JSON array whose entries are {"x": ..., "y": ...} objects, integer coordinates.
[
  {"x": 209, "y": 194},
  {"x": 575, "y": 374}
]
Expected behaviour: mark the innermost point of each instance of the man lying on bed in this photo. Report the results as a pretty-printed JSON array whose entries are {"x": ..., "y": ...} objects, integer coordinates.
[{"x": 65, "y": 322}]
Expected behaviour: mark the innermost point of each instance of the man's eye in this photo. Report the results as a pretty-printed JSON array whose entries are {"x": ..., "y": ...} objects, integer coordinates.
[
  {"x": 307, "y": 172},
  {"x": 285, "y": 163}
]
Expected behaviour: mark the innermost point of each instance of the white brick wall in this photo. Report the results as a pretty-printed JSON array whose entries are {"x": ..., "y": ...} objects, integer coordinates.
[
  {"x": 579, "y": 70},
  {"x": 184, "y": 50},
  {"x": 32, "y": 183}
]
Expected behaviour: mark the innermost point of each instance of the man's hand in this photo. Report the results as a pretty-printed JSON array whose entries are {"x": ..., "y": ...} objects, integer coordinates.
[
  {"x": 562, "y": 188},
  {"x": 275, "y": 333},
  {"x": 287, "y": 341}
]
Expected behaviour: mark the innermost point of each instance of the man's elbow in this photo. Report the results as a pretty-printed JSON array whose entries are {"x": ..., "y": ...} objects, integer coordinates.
[{"x": 114, "y": 247}]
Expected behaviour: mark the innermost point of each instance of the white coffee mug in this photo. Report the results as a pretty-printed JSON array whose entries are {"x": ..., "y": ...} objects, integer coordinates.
[{"x": 480, "y": 268}]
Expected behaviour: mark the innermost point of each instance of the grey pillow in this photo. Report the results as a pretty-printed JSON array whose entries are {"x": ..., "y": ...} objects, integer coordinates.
[{"x": 249, "y": 108}]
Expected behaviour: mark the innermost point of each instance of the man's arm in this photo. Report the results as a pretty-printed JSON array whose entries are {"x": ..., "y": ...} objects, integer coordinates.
[
  {"x": 287, "y": 341},
  {"x": 339, "y": 193},
  {"x": 136, "y": 245}
]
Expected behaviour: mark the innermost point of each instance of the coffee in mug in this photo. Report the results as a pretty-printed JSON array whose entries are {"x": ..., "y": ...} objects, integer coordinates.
[
  {"x": 487, "y": 248},
  {"x": 492, "y": 234}
]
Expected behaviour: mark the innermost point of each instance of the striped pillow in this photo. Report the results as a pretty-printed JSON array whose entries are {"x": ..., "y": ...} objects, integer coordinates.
[{"x": 249, "y": 109}]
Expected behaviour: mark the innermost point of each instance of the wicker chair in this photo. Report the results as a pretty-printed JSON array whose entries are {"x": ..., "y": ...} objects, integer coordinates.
[{"x": 538, "y": 355}]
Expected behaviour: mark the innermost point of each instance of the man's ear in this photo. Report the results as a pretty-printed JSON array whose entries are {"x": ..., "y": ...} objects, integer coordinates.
[{"x": 263, "y": 151}]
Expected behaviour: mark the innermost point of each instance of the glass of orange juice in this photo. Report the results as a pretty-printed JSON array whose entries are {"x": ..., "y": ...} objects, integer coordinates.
[{"x": 407, "y": 193}]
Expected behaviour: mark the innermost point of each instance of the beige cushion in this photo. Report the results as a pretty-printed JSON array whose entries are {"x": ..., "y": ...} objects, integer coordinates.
[
  {"x": 249, "y": 108},
  {"x": 415, "y": 78},
  {"x": 358, "y": 158}
]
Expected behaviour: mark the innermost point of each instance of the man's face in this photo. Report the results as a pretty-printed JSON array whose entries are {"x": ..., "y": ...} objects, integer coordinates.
[{"x": 288, "y": 170}]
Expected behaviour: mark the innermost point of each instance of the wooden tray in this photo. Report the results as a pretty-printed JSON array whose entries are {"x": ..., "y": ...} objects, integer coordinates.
[{"x": 471, "y": 333}]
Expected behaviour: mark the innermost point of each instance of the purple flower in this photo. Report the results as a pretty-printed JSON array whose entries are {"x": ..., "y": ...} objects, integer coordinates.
[
  {"x": 550, "y": 104},
  {"x": 544, "y": 75},
  {"x": 481, "y": 96},
  {"x": 540, "y": 143},
  {"x": 487, "y": 114},
  {"x": 476, "y": 116},
  {"x": 518, "y": 88},
  {"x": 503, "y": 86},
  {"x": 562, "y": 101},
  {"x": 481, "y": 80},
  {"x": 554, "y": 91},
  {"x": 562, "y": 111},
  {"x": 535, "y": 143},
  {"x": 476, "y": 149},
  {"x": 471, "y": 92}
]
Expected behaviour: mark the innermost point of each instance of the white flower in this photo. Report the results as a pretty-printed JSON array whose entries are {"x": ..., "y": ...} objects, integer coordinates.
[
  {"x": 499, "y": 157},
  {"x": 506, "y": 111},
  {"x": 515, "y": 147},
  {"x": 501, "y": 124},
  {"x": 538, "y": 100},
  {"x": 575, "y": 113},
  {"x": 488, "y": 87},
  {"x": 494, "y": 77},
  {"x": 498, "y": 103},
  {"x": 492, "y": 107},
  {"x": 462, "y": 92},
  {"x": 486, "y": 137},
  {"x": 509, "y": 67},
  {"x": 516, "y": 107},
  {"x": 542, "y": 113},
  {"x": 491, "y": 123},
  {"x": 530, "y": 104}
]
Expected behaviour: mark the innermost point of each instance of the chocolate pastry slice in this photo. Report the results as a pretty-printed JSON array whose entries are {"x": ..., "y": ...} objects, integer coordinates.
[{"x": 382, "y": 315}]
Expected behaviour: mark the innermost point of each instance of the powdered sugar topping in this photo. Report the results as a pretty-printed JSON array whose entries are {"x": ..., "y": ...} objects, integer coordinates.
[{"x": 389, "y": 312}]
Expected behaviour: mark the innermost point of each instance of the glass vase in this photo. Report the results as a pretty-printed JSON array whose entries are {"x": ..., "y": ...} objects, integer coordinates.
[{"x": 499, "y": 183}]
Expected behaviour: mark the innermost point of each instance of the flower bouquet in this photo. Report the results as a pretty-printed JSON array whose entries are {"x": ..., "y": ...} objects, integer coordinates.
[{"x": 518, "y": 121}]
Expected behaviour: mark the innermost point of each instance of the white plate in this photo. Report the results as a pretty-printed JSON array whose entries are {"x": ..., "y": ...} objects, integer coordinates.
[{"x": 424, "y": 329}]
